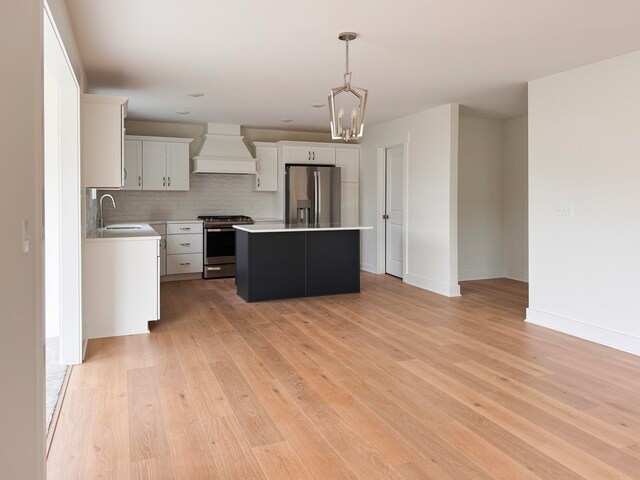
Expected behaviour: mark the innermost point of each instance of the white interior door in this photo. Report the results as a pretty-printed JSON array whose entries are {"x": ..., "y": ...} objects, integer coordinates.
[{"x": 394, "y": 217}]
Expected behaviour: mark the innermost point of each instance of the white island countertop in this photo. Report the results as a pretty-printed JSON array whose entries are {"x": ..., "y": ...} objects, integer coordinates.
[
  {"x": 285, "y": 227},
  {"x": 145, "y": 232}
]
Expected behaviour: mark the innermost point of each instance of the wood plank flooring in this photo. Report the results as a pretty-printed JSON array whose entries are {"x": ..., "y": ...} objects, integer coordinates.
[{"x": 394, "y": 383}]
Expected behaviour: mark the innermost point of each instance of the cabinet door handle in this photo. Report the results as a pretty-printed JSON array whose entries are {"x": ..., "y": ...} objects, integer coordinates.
[
  {"x": 185, "y": 244},
  {"x": 125, "y": 173},
  {"x": 258, "y": 182},
  {"x": 169, "y": 181},
  {"x": 139, "y": 181},
  {"x": 314, "y": 156},
  {"x": 185, "y": 264},
  {"x": 309, "y": 155},
  {"x": 164, "y": 182},
  {"x": 165, "y": 243}
]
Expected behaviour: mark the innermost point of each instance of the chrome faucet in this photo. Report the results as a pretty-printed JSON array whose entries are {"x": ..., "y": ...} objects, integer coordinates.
[{"x": 101, "y": 219}]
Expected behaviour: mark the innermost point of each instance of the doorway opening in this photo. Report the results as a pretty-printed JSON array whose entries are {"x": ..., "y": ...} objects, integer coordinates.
[
  {"x": 62, "y": 215},
  {"x": 492, "y": 203}
]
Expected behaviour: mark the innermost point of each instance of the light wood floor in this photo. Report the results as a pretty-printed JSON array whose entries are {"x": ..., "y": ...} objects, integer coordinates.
[{"x": 395, "y": 383}]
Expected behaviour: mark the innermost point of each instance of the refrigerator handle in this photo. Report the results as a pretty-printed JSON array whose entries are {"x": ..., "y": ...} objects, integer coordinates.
[
  {"x": 315, "y": 197},
  {"x": 319, "y": 197}
]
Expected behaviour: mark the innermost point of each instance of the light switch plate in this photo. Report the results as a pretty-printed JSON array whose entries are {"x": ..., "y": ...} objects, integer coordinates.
[
  {"x": 564, "y": 210},
  {"x": 25, "y": 236}
]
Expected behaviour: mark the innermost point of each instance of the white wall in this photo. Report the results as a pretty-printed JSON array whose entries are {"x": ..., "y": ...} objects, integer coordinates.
[
  {"x": 584, "y": 149},
  {"x": 21, "y": 284},
  {"x": 431, "y": 228},
  {"x": 515, "y": 188},
  {"x": 480, "y": 194}
]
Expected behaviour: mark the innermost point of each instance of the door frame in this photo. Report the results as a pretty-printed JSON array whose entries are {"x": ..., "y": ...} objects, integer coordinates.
[
  {"x": 381, "y": 147},
  {"x": 69, "y": 193}
]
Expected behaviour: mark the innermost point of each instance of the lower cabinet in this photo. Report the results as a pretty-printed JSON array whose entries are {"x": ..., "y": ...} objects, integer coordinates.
[
  {"x": 120, "y": 286},
  {"x": 184, "y": 248},
  {"x": 161, "y": 229},
  {"x": 184, "y": 263}
]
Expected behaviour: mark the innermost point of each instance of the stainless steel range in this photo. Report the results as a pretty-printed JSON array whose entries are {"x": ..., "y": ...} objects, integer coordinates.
[{"x": 220, "y": 244}]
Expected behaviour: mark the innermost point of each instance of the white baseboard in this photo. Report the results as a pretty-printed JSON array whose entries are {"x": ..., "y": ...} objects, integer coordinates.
[
  {"x": 368, "y": 268},
  {"x": 117, "y": 334},
  {"x": 604, "y": 336},
  {"x": 432, "y": 285},
  {"x": 520, "y": 275},
  {"x": 480, "y": 273}
]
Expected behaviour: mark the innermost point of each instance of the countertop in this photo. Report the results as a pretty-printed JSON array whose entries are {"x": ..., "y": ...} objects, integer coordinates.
[
  {"x": 144, "y": 233},
  {"x": 283, "y": 227}
]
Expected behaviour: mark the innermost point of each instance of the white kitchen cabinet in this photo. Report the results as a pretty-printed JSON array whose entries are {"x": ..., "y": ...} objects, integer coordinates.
[
  {"x": 348, "y": 161},
  {"x": 120, "y": 286},
  {"x": 349, "y": 206},
  {"x": 177, "y": 166},
  {"x": 184, "y": 247},
  {"x": 184, "y": 263},
  {"x": 188, "y": 243},
  {"x": 132, "y": 165},
  {"x": 164, "y": 162},
  {"x": 266, "y": 180},
  {"x": 154, "y": 165},
  {"x": 161, "y": 229},
  {"x": 102, "y": 140},
  {"x": 309, "y": 154}
]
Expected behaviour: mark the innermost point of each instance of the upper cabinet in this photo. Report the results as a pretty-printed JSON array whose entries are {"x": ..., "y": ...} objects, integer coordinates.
[
  {"x": 309, "y": 154},
  {"x": 348, "y": 159},
  {"x": 266, "y": 179},
  {"x": 102, "y": 132},
  {"x": 132, "y": 165},
  {"x": 162, "y": 163}
]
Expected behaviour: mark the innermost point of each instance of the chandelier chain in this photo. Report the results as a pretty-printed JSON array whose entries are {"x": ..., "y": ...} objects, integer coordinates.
[{"x": 347, "y": 72}]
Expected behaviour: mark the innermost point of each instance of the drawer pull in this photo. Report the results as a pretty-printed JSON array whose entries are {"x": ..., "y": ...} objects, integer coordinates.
[
  {"x": 185, "y": 244},
  {"x": 185, "y": 264},
  {"x": 213, "y": 269},
  {"x": 185, "y": 228}
]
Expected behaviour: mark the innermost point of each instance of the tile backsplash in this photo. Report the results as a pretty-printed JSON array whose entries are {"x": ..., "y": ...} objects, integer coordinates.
[{"x": 214, "y": 194}]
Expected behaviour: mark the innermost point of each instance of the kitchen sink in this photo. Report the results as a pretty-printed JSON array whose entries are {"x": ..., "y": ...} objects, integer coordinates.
[{"x": 123, "y": 226}]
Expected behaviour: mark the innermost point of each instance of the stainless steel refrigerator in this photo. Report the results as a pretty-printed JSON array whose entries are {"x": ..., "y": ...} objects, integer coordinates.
[{"x": 312, "y": 195}]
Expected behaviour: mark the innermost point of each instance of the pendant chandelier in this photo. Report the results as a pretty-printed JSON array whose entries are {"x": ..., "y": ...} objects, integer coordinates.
[{"x": 347, "y": 96}]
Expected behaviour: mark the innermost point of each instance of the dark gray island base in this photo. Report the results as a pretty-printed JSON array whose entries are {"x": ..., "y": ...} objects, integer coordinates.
[{"x": 289, "y": 262}]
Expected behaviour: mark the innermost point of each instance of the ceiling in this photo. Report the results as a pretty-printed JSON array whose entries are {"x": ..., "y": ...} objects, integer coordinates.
[{"x": 261, "y": 61}]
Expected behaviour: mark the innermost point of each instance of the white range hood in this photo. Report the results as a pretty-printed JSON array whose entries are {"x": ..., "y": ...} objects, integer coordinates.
[{"x": 223, "y": 151}]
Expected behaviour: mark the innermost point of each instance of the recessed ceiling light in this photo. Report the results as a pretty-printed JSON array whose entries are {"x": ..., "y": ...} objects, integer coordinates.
[
  {"x": 196, "y": 95},
  {"x": 287, "y": 120},
  {"x": 318, "y": 105},
  {"x": 183, "y": 112}
]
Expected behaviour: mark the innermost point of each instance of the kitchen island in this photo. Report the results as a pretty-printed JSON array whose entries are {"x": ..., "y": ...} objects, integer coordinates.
[{"x": 276, "y": 261}]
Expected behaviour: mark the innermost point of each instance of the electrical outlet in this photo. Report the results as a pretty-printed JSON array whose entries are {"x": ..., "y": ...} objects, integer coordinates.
[{"x": 564, "y": 210}]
